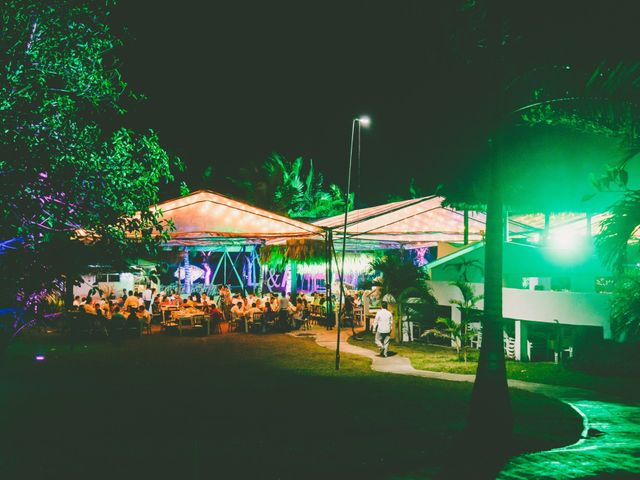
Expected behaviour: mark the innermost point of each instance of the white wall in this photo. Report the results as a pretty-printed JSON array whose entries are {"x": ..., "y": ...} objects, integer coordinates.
[
  {"x": 568, "y": 308},
  {"x": 126, "y": 281}
]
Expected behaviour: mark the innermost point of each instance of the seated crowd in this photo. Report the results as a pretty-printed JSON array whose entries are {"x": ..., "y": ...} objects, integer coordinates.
[{"x": 282, "y": 311}]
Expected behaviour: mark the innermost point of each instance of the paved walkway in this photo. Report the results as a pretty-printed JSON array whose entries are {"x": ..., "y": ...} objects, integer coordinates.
[{"x": 616, "y": 452}]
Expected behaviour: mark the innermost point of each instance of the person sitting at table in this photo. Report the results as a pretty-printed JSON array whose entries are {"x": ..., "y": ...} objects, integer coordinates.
[
  {"x": 106, "y": 309},
  {"x": 253, "y": 309},
  {"x": 275, "y": 303},
  {"x": 306, "y": 310},
  {"x": 298, "y": 312},
  {"x": 116, "y": 325},
  {"x": 268, "y": 316},
  {"x": 132, "y": 323},
  {"x": 131, "y": 301},
  {"x": 215, "y": 312},
  {"x": 88, "y": 307},
  {"x": 205, "y": 299},
  {"x": 348, "y": 306},
  {"x": 144, "y": 317},
  {"x": 140, "y": 299},
  {"x": 237, "y": 312}
]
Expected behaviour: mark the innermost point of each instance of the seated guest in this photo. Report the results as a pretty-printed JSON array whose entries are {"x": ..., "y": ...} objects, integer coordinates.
[
  {"x": 155, "y": 305},
  {"x": 269, "y": 314},
  {"x": 237, "y": 311},
  {"x": 298, "y": 313},
  {"x": 205, "y": 299},
  {"x": 133, "y": 322},
  {"x": 131, "y": 301},
  {"x": 116, "y": 324},
  {"x": 253, "y": 309},
  {"x": 144, "y": 316},
  {"x": 76, "y": 301},
  {"x": 215, "y": 312},
  {"x": 106, "y": 309},
  {"x": 88, "y": 307}
]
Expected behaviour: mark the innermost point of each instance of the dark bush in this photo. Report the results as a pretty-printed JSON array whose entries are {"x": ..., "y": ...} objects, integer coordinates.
[{"x": 594, "y": 355}]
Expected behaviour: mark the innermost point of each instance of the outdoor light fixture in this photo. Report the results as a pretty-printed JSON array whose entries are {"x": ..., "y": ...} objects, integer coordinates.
[
  {"x": 364, "y": 121},
  {"x": 39, "y": 358}
]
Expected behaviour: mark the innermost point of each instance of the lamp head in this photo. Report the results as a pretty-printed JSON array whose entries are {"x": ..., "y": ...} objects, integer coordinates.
[{"x": 364, "y": 121}]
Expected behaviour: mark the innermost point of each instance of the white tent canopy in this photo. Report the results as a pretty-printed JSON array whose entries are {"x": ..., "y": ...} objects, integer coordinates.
[
  {"x": 415, "y": 222},
  {"x": 207, "y": 218}
]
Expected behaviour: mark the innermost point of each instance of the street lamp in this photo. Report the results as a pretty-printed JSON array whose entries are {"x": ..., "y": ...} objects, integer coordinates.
[{"x": 362, "y": 121}]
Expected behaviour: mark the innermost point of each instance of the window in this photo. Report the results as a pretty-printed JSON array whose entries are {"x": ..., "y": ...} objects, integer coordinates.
[{"x": 108, "y": 277}]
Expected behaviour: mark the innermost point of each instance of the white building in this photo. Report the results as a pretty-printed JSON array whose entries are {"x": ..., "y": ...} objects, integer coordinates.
[{"x": 547, "y": 291}]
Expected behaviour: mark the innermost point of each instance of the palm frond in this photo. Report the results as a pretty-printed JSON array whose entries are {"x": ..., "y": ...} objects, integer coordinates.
[{"x": 617, "y": 232}]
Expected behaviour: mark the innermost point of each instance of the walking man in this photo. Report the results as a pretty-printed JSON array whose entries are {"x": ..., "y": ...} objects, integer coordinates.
[{"x": 382, "y": 329}]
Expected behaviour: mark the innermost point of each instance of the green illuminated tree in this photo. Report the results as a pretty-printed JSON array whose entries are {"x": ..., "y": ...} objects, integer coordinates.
[
  {"x": 68, "y": 171},
  {"x": 289, "y": 188},
  {"x": 537, "y": 124}
]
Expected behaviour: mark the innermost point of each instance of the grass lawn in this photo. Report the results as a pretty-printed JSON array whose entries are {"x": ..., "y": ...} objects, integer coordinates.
[
  {"x": 233, "y": 406},
  {"x": 443, "y": 359}
]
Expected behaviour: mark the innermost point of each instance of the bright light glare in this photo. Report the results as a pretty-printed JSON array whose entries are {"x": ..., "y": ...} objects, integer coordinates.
[
  {"x": 39, "y": 358},
  {"x": 565, "y": 241},
  {"x": 568, "y": 247},
  {"x": 364, "y": 121}
]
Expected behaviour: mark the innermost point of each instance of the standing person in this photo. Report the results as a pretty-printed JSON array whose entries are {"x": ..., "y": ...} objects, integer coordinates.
[
  {"x": 284, "y": 312},
  {"x": 147, "y": 296},
  {"x": 153, "y": 299},
  {"x": 382, "y": 329}
]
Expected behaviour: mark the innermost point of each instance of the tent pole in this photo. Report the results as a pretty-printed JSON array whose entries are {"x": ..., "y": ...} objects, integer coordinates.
[
  {"x": 328, "y": 279},
  {"x": 466, "y": 227},
  {"x": 215, "y": 273},
  {"x": 235, "y": 270}
]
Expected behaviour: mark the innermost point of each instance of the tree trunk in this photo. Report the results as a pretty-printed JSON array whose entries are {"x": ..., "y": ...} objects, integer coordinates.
[
  {"x": 490, "y": 416},
  {"x": 466, "y": 227},
  {"x": 294, "y": 279},
  {"x": 68, "y": 291}
]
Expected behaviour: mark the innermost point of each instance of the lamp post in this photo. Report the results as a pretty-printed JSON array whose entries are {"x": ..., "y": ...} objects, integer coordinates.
[{"x": 362, "y": 121}]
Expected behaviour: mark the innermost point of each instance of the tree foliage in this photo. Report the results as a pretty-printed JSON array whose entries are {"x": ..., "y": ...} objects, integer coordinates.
[
  {"x": 400, "y": 277},
  {"x": 625, "y": 307},
  {"x": 290, "y": 188},
  {"x": 461, "y": 333},
  {"x": 67, "y": 170}
]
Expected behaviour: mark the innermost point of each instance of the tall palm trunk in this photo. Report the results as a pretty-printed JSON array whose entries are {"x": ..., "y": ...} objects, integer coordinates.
[{"x": 490, "y": 416}]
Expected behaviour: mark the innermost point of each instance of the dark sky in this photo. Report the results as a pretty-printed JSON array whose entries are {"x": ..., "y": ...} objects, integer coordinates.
[{"x": 230, "y": 82}]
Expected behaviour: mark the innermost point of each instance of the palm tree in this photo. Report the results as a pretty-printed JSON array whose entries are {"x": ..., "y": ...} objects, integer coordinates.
[
  {"x": 563, "y": 96},
  {"x": 464, "y": 266},
  {"x": 625, "y": 308},
  {"x": 289, "y": 188},
  {"x": 400, "y": 278}
]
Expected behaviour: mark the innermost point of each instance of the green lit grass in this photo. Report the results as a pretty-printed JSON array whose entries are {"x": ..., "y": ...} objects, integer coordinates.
[
  {"x": 443, "y": 359},
  {"x": 234, "y": 406}
]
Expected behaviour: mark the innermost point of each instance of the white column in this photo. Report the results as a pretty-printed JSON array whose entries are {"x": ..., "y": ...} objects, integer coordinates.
[{"x": 521, "y": 341}]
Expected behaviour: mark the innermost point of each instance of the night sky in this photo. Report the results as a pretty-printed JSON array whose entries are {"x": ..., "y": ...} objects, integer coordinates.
[{"x": 230, "y": 82}]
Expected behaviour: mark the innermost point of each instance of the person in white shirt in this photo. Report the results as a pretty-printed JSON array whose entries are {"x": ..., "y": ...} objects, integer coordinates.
[
  {"x": 147, "y": 297},
  {"x": 382, "y": 329},
  {"x": 237, "y": 312}
]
